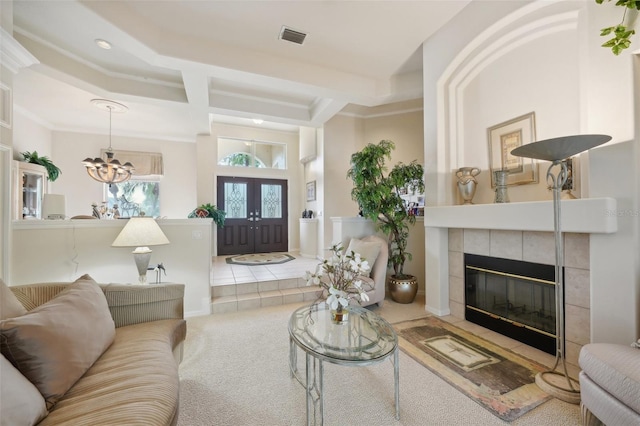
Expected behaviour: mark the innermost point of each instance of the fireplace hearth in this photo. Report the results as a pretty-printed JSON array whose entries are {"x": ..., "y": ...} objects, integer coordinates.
[{"x": 513, "y": 298}]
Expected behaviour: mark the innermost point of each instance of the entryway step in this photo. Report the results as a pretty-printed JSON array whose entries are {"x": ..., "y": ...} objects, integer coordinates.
[{"x": 235, "y": 297}]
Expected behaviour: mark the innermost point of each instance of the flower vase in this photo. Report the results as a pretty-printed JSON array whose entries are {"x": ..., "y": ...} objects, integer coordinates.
[
  {"x": 340, "y": 315},
  {"x": 467, "y": 182}
]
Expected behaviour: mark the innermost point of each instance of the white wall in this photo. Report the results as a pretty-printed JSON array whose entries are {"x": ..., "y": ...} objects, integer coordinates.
[
  {"x": 50, "y": 251},
  {"x": 343, "y": 136},
  {"x": 513, "y": 85},
  {"x": 29, "y": 135},
  {"x": 615, "y": 284},
  {"x": 177, "y": 187},
  {"x": 405, "y": 129}
]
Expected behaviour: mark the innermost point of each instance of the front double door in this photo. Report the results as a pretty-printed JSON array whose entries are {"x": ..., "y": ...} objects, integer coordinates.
[{"x": 256, "y": 215}]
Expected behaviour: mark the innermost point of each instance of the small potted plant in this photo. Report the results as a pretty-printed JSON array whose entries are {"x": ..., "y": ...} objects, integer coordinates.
[
  {"x": 209, "y": 210},
  {"x": 621, "y": 33},
  {"x": 52, "y": 170},
  {"x": 378, "y": 195}
]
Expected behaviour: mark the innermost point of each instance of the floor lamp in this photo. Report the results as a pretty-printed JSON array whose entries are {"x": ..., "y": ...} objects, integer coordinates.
[{"x": 558, "y": 383}]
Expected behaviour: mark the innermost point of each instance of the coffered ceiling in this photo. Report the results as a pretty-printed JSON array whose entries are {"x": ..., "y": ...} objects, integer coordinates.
[{"x": 178, "y": 65}]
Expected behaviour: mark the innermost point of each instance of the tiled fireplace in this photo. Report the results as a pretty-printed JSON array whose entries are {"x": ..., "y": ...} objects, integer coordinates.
[{"x": 535, "y": 247}]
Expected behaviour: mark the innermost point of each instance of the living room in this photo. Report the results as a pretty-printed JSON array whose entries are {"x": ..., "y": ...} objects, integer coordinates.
[{"x": 491, "y": 63}]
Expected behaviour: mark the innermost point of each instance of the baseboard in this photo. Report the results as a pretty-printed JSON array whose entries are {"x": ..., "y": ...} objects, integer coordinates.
[{"x": 438, "y": 312}]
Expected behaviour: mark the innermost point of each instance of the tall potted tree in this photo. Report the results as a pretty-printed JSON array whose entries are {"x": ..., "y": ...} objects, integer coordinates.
[{"x": 379, "y": 196}]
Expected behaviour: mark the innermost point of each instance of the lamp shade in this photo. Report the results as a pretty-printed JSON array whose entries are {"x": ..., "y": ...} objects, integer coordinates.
[
  {"x": 140, "y": 231},
  {"x": 54, "y": 206},
  {"x": 560, "y": 148}
]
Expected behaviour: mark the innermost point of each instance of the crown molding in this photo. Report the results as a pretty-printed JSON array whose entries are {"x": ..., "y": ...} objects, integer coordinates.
[{"x": 13, "y": 55}]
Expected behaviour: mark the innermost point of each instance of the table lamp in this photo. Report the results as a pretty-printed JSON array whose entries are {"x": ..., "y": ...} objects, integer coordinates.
[
  {"x": 558, "y": 383},
  {"x": 141, "y": 232}
]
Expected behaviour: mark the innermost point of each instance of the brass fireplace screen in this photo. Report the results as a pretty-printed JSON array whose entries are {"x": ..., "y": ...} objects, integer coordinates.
[{"x": 514, "y": 298}]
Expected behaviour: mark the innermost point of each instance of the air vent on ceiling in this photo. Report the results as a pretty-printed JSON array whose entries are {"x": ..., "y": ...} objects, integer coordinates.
[{"x": 293, "y": 36}]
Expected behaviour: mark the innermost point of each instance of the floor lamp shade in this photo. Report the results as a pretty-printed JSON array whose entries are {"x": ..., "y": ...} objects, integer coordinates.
[
  {"x": 141, "y": 232},
  {"x": 54, "y": 206}
]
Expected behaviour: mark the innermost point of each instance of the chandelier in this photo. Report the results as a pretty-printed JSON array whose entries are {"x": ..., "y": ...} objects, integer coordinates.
[{"x": 110, "y": 171}]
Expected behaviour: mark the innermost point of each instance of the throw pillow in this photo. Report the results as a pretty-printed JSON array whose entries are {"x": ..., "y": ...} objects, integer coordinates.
[
  {"x": 22, "y": 404},
  {"x": 56, "y": 343},
  {"x": 368, "y": 250},
  {"x": 10, "y": 306}
]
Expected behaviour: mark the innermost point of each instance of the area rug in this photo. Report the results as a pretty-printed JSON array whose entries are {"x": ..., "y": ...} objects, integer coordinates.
[
  {"x": 260, "y": 259},
  {"x": 501, "y": 381}
]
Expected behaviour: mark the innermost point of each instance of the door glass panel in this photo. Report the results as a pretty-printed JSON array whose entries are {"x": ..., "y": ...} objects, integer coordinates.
[
  {"x": 235, "y": 200},
  {"x": 32, "y": 186},
  {"x": 271, "y": 200}
]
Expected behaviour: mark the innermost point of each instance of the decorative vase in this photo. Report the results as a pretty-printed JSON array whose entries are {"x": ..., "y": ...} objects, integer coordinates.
[
  {"x": 467, "y": 182},
  {"x": 403, "y": 290},
  {"x": 500, "y": 176},
  {"x": 340, "y": 315}
]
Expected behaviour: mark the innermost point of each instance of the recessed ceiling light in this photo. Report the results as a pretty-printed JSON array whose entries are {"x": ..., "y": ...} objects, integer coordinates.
[
  {"x": 103, "y": 43},
  {"x": 258, "y": 120}
]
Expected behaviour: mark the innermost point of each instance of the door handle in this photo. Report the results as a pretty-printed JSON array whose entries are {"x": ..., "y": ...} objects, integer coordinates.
[
  {"x": 250, "y": 218},
  {"x": 258, "y": 219}
]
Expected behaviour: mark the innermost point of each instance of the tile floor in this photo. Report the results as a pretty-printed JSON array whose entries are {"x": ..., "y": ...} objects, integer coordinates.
[{"x": 239, "y": 287}]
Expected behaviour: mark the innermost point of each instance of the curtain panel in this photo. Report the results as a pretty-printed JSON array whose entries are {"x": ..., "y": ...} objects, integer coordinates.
[{"x": 145, "y": 163}]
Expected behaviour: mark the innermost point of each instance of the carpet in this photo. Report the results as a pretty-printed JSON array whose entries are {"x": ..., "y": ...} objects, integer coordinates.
[
  {"x": 501, "y": 381},
  {"x": 235, "y": 372},
  {"x": 260, "y": 259}
]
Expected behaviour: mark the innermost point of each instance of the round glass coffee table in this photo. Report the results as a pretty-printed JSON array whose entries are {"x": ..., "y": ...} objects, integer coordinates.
[{"x": 364, "y": 339}]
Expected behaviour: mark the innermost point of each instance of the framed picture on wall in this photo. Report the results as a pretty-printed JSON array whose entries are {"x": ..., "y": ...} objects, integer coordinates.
[
  {"x": 311, "y": 191},
  {"x": 504, "y": 138}
]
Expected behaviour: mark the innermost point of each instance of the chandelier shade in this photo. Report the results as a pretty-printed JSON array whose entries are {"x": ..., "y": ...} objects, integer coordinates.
[{"x": 111, "y": 170}]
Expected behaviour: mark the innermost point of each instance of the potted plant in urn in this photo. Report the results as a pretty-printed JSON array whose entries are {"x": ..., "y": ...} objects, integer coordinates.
[
  {"x": 209, "y": 210},
  {"x": 53, "y": 171},
  {"x": 378, "y": 195}
]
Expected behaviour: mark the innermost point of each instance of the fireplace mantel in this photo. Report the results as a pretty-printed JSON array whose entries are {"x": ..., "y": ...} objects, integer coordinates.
[{"x": 587, "y": 215}]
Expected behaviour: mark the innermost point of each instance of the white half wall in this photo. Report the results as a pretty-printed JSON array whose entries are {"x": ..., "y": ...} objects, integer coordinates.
[{"x": 51, "y": 251}]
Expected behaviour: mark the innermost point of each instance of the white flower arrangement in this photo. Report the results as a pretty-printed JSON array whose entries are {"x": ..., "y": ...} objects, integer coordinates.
[{"x": 340, "y": 276}]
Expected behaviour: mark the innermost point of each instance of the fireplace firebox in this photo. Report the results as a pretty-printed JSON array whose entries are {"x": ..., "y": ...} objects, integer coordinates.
[{"x": 511, "y": 297}]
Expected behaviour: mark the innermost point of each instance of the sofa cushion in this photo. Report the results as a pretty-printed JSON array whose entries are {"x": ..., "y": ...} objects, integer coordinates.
[
  {"x": 56, "y": 343},
  {"x": 615, "y": 368},
  {"x": 10, "y": 306},
  {"x": 21, "y": 404},
  {"x": 368, "y": 250},
  {"x": 135, "y": 381}
]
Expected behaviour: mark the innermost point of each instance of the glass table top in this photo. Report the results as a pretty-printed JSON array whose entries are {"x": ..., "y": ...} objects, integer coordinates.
[{"x": 365, "y": 336}]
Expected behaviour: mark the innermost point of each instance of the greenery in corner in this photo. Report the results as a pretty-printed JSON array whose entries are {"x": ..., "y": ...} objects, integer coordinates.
[
  {"x": 379, "y": 196},
  {"x": 621, "y": 33},
  {"x": 52, "y": 170},
  {"x": 209, "y": 210}
]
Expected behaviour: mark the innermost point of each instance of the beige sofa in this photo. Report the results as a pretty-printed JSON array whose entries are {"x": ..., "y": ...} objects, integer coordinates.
[{"x": 89, "y": 354}]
